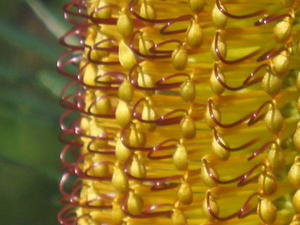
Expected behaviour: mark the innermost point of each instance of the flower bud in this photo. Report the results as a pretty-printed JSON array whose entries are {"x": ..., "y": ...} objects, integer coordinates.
[
  {"x": 282, "y": 30},
  {"x": 124, "y": 24},
  {"x": 147, "y": 11},
  {"x": 219, "y": 19},
  {"x": 194, "y": 34},
  {"x": 123, "y": 113},
  {"x": 102, "y": 105},
  {"x": 125, "y": 91},
  {"x": 197, "y": 5},
  {"x": 126, "y": 56},
  {"x": 274, "y": 120},
  {"x": 180, "y": 157},
  {"x": 137, "y": 168},
  {"x": 145, "y": 80},
  {"x": 215, "y": 84},
  {"x": 185, "y": 193},
  {"x": 275, "y": 157},
  {"x": 267, "y": 183},
  {"x": 122, "y": 153},
  {"x": 178, "y": 217},
  {"x": 90, "y": 73},
  {"x": 280, "y": 63},
  {"x": 207, "y": 176},
  {"x": 149, "y": 114},
  {"x": 119, "y": 179},
  {"x": 188, "y": 127},
  {"x": 179, "y": 58},
  {"x": 218, "y": 150},
  {"x": 294, "y": 173},
  {"x": 221, "y": 46},
  {"x": 136, "y": 138},
  {"x": 134, "y": 203},
  {"x": 214, "y": 208},
  {"x": 144, "y": 45},
  {"x": 103, "y": 13},
  {"x": 117, "y": 213},
  {"x": 271, "y": 83},
  {"x": 208, "y": 117},
  {"x": 296, "y": 201},
  {"x": 266, "y": 211},
  {"x": 188, "y": 90}
]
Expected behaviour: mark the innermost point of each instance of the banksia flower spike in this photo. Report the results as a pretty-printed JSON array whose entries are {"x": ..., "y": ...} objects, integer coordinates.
[{"x": 181, "y": 113}]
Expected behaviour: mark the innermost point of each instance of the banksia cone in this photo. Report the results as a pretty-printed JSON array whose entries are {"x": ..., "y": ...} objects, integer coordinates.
[{"x": 181, "y": 113}]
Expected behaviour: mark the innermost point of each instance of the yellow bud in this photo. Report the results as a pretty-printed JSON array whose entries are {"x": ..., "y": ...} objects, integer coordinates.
[
  {"x": 148, "y": 113},
  {"x": 266, "y": 211},
  {"x": 122, "y": 153},
  {"x": 274, "y": 120},
  {"x": 294, "y": 173},
  {"x": 206, "y": 178},
  {"x": 282, "y": 30},
  {"x": 215, "y": 85},
  {"x": 185, "y": 193},
  {"x": 218, "y": 150},
  {"x": 125, "y": 91},
  {"x": 147, "y": 11},
  {"x": 187, "y": 90},
  {"x": 123, "y": 113},
  {"x": 85, "y": 123},
  {"x": 99, "y": 170},
  {"x": 280, "y": 63},
  {"x": 219, "y": 19},
  {"x": 197, "y": 5},
  {"x": 126, "y": 56},
  {"x": 90, "y": 74},
  {"x": 137, "y": 168},
  {"x": 213, "y": 206},
  {"x": 178, "y": 218},
  {"x": 271, "y": 83},
  {"x": 275, "y": 157},
  {"x": 102, "y": 105},
  {"x": 296, "y": 201},
  {"x": 296, "y": 137},
  {"x": 144, "y": 45},
  {"x": 124, "y": 24},
  {"x": 119, "y": 180},
  {"x": 188, "y": 127},
  {"x": 92, "y": 197},
  {"x": 96, "y": 131},
  {"x": 267, "y": 183},
  {"x": 194, "y": 34},
  {"x": 136, "y": 138},
  {"x": 179, "y": 58},
  {"x": 210, "y": 122},
  {"x": 180, "y": 157},
  {"x": 103, "y": 13},
  {"x": 221, "y": 46},
  {"x": 117, "y": 213},
  {"x": 134, "y": 203},
  {"x": 298, "y": 105},
  {"x": 145, "y": 80}
]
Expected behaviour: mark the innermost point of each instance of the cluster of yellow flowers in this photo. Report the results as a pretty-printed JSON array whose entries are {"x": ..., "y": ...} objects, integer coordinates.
[{"x": 188, "y": 113}]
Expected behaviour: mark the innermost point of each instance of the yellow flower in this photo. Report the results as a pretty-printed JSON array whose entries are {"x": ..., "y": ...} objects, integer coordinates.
[{"x": 188, "y": 113}]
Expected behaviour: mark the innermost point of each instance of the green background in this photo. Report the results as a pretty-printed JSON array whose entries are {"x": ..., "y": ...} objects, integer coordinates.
[{"x": 29, "y": 110}]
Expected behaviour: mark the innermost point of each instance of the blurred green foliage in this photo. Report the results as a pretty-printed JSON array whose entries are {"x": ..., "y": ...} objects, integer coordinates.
[{"x": 29, "y": 110}]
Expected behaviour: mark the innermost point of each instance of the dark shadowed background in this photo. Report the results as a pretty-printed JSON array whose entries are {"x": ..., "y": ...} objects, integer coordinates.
[{"x": 29, "y": 110}]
